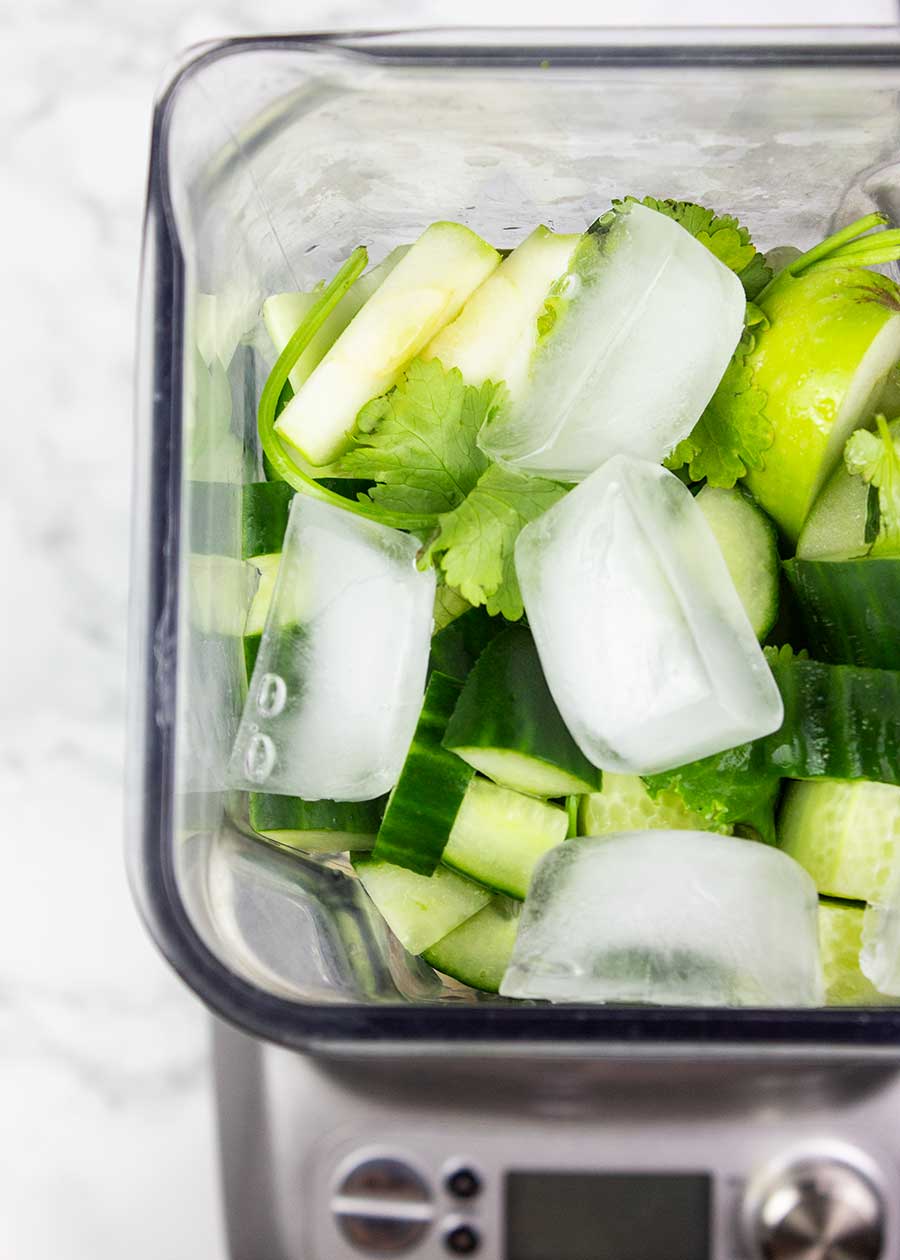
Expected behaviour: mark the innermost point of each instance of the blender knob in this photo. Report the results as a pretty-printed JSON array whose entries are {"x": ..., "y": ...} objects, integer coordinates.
[{"x": 817, "y": 1208}]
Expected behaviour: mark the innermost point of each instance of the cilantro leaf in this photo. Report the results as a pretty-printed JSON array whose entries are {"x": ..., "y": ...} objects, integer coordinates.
[
  {"x": 418, "y": 441},
  {"x": 476, "y": 540},
  {"x": 876, "y": 458},
  {"x": 722, "y": 235},
  {"x": 734, "y": 432}
]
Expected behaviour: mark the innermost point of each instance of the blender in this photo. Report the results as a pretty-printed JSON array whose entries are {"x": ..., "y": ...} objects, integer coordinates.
[{"x": 366, "y": 1106}]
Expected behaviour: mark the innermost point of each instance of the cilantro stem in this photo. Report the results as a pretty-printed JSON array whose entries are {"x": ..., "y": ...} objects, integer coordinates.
[{"x": 277, "y": 455}]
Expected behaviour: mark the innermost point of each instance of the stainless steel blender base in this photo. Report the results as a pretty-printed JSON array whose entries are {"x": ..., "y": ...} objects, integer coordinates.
[{"x": 507, "y": 1156}]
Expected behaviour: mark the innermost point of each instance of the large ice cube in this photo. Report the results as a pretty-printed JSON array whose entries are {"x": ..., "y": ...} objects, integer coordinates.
[
  {"x": 651, "y": 323},
  {"x": 644, "y": 641},
  {"x": 340, "y": 674},
  {"x": 672, "y": 917}
]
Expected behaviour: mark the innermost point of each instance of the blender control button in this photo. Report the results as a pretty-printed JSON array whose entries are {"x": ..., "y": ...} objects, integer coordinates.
[
  {"x": 462, "y": 1240},
  {"x": 382, "y": 1235},
  {"x": 384, "y": 1178},
  {"x": 817, "y": 1208},
  {"x": 463, "y": 1183}
]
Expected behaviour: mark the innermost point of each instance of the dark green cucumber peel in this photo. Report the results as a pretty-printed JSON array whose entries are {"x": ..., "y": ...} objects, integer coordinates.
[
  {"x": 840, "y": 722},
  {"x": 286, "y": 819},
  {"x": 423, "y": 806},
  {"x": 265, "y": 508},
  {"x": 456, "y": 648},
  {"x": 850, "y": 609},
  {"x": 251, "y": 644},
  {"x": 506, "y": 708}
]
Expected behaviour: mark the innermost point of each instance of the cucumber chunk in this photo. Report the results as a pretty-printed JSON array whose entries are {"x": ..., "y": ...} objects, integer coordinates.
[
  {"x": 844, "y": 834},
  {"x": 479, "y": 950},
  {"x": 264, "y": 511},
  {"x": 840, "y": 942},
  {"x": 433, "y": 782},
  {"x": 508, "y": 727},
  {"x": 315, "y": 826},
  {"x": 420, "y": 909},
  {"x": 500, "y": 836},
  {"x": 496, "y": 332},
  {"x": 624, "y": 804},
  {"x": 284, "y": 312},
  {"x": 424, "y": 291},
  {"x": 456, "y": 648},
  {"x": 749, "y": 545},
  {"x": 850, "y": 609}
]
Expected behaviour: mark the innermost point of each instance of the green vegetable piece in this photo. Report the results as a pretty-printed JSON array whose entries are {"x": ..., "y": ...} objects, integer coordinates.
[
  {"x": 844, "y": 834},
  {"x": 840, "y": 943},
  {"x": 749, "y": 545},
  {"x": 315, "y": 826},
  {"x": 264, "y": 509},
  {"x": 419, "y": 441},
  {"x": 420, "y": 909},
  {"x": 476, "y": 541},
  {"x": 478, "y": 951},
  {"x": 456, "y": 648},
  {"x": 423, "y": 806},
  {"x": 850, "y": 609},
  {"x": 507, "y": 726}
]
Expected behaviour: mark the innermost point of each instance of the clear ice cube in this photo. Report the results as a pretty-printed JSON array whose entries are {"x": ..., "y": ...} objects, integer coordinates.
[
  {"x": 879, "y": 957},
  {"x": 632, "y": 362},
  {"x": 340, "y": 674},
  {"x": 683, "y": 918},
  {"x": 644, "y": 641}
]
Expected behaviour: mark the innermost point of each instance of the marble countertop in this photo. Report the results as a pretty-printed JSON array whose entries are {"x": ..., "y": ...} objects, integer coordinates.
[{"x": 108, "y": 1141}]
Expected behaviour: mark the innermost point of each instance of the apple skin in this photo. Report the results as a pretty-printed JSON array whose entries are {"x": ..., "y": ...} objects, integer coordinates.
[{"x": 833, "y": 337}]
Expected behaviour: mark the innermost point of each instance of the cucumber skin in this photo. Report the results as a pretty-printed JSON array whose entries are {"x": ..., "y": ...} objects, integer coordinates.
[
  {"x": 268, "y": 813},
  {"x": 850, "y": 609},
  {"x": 456, "y": 648},
  {"x": 819, "y": 745},
  {"x": 264, "y": 511},
  {"x": 251, "y": 644},
  {"x": 423, "y": 806},
  {"x": 506, "y": 705}
]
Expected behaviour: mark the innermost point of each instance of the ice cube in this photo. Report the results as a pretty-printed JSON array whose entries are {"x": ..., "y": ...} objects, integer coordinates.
[
  {"x": 652, "y": 319},
  {"x": 644, "y": 641},
  {"x": 672, "y": 917},
  {"x": 340, "y": 673},
  {"x": 879, "y": 958}
]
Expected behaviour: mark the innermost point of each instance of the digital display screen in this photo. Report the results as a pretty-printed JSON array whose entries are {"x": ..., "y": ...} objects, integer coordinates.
[{"x": 607, "y": 1216}]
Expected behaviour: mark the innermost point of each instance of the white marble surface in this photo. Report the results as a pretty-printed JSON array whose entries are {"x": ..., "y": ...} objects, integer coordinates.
[{"x": 106, "y": 1127}]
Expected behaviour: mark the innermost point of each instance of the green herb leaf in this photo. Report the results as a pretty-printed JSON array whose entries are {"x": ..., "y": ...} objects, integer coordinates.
[
  {"x": 476, "y": 541},
  {"x": 876, "y": 458},
  {"x": 722, "y": 235},
  {"x": 418, "y": 441},
  {"x": 733, "y": 434}
]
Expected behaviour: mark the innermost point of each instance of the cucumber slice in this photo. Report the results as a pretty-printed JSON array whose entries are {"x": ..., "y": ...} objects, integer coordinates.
[
  {"x": 264, "y": 511},
  {"x": 850, "y": 609},
  {"x": 259, "y": 609},
  {"x": 423, "y": 806},
  {"x": 500, "y": 836},
  {"x": 840, "y": 942},
  {"x": 841, "y": 722},
  {"x": 507, "y": 725},
  {"x": 749, "y": 545},
  {"x": 420, "y": 909},
  {"x": 495, "y": 334},
  {"x": 624, "y": 804},
  {"x": 424, "y": 291},
  {"x": 844, "y": 834},
  {"x": 283, "y": 314},
  {"x": 456, "y": 648},
  {"x": 315, "y": 826},
  {"x": 479, "y": 950}
]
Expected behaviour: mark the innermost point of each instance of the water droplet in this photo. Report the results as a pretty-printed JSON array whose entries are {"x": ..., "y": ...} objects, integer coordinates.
[
  {"x": 570, "y": 285},
  {"x": 259, "y": 761},
  {"x": 272, "y": 695}
]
